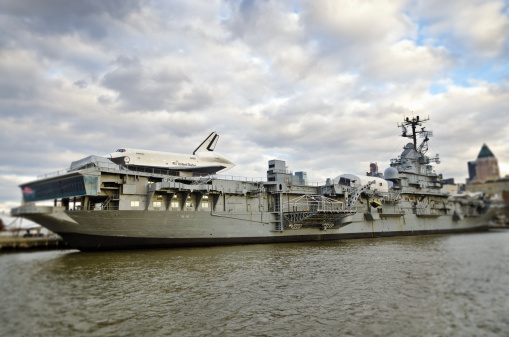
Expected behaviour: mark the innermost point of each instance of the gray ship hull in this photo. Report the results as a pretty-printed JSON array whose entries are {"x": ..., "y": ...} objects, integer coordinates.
[
  {"x": 87, "y": 242},
  {"x": 113, "y": 230}
]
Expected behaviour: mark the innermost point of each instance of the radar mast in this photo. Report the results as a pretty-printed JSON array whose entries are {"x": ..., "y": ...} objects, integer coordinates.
[{"x": 414, "y": 123}]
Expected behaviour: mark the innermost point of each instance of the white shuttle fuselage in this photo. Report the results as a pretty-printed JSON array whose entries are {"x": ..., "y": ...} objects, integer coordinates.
[{"x": 203, "y": 159}]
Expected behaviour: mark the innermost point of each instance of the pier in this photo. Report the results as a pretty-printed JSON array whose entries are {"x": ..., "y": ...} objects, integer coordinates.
[{"x": 31, "y": 243}]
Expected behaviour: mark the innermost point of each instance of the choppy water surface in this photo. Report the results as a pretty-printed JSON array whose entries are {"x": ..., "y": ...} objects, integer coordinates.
[{"x": 453, "y": 285}]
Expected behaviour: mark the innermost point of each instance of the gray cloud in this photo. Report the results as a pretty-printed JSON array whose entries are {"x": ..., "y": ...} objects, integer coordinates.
[{"x": 64, "y": 17}]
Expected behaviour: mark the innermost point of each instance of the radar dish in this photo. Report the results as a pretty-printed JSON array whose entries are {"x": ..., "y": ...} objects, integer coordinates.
[{"x": 391, "y": 173}]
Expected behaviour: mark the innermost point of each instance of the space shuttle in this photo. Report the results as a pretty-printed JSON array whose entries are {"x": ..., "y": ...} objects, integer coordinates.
[{"x": 203, "y": 159}]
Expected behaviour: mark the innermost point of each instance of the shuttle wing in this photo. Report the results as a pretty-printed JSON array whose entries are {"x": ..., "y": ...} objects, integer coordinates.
[
  {"x": 208, "y": 144},
  {"x": 203, "y": 169}
]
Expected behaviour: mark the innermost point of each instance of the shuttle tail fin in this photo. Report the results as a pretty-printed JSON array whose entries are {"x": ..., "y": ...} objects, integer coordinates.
[{"x": 208, "y": 144}]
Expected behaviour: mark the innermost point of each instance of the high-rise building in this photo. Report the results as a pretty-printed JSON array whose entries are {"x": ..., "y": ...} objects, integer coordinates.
[
  {"x": 486, "y": 165},
  {"x": 471, "y": 170},
  {"x": 472, "y": 175}
]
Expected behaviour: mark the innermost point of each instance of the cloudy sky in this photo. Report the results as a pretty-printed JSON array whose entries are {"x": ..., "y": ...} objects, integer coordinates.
[{"x": 320, "y": 84}]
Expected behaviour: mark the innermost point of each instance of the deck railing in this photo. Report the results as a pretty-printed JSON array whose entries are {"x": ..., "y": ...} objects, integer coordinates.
[{"x": 149, "y": 170}]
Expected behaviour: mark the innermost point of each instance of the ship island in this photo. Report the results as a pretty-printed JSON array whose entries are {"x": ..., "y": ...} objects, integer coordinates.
[{"x": 135, "y": 199}]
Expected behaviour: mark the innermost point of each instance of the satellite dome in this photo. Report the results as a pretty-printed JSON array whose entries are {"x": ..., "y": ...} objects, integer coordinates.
[{"x": 391, "y": 173}]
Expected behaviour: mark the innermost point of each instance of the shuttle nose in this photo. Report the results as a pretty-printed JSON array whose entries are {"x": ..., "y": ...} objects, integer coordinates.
[{"x": 118, "y": 159}]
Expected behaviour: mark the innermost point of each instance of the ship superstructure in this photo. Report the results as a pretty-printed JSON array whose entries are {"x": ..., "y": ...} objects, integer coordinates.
[{"x": 99, "y": 205}]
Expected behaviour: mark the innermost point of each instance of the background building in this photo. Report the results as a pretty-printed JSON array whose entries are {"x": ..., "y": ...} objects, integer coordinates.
[
  {"x": 472, "y": 175},
  {"x": 486, "y": 178},
  {"x": 491, "y": 188},
  {"x": 486, "y": 165}
]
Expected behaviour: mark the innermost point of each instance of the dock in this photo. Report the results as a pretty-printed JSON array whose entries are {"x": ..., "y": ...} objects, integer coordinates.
[{"x": 31, "y": 243}]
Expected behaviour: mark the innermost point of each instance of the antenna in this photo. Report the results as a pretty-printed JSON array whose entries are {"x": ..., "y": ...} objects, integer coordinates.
[
  {"x": 413, "y": 123},
  {"x": 425, "y": 134}
]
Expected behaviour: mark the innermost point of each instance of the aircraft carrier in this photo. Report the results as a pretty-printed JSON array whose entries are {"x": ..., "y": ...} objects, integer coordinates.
[{"x": 102, "y": 205}]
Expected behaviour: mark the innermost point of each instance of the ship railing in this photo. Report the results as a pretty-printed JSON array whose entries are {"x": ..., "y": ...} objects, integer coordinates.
[
  {"x": 314, "y": 210},
  {"x": 101, "y": 207},
  {"x": 166, "y": 173},
  {"x": 313, "y": 203},
  {"x": 392, "y": 195},
  {"x": 315, "y": 183},
  {"x": 237, "y": 178},
  {"x": 103, "y": 165},
  {"x": 111, "y": 208},
  {"x": 53, "y": 174},
  {"x": 150, "y": 170}
]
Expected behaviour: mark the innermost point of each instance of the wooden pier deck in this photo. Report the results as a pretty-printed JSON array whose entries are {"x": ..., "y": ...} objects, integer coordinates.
[{"x": 22, "y": 243}]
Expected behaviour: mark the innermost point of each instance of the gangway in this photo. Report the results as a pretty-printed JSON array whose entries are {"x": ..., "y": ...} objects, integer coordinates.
[{"x": 314, "y": 211}]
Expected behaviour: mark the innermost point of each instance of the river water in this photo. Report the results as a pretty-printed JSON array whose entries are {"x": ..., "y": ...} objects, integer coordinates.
[{"x": 440, "y": 285}]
